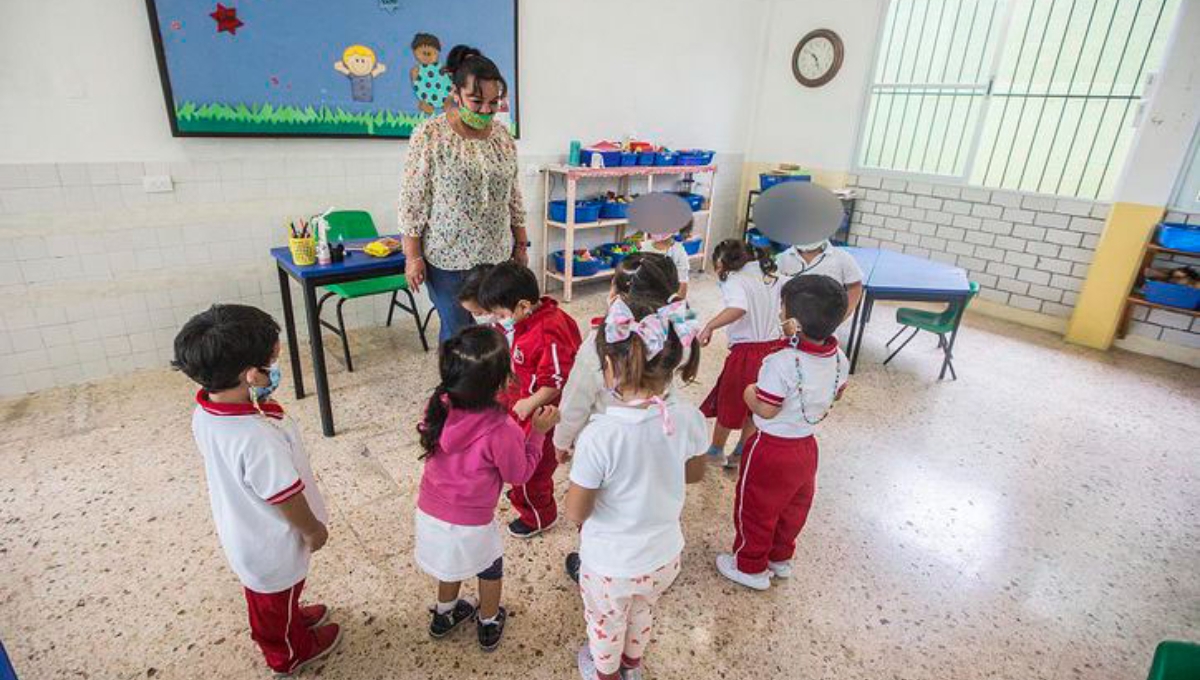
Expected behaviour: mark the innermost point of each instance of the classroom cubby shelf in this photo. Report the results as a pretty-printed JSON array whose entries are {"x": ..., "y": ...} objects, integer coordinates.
[
  {"x": 1152, "y": 250},
  {"x": 572, "y": 176}
]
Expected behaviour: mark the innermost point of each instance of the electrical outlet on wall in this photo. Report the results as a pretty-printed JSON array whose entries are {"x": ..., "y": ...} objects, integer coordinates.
[{"x": 157, "y": 184}]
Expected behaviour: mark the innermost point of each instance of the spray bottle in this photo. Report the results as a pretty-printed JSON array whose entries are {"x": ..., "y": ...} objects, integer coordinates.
[{"x": 324, "y": 255}]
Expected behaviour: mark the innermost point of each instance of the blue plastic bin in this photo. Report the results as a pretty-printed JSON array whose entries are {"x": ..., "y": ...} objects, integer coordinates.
[
  {"x": 694, "y": 200},
  {"x": 767, "y": 180},
  {"x": 628, "y": 159},
  {"x": 1171, "y": 294},
  {"x": 665, "y": 158},
  {"x": 1178, "y": 236},
  {"x": 605, "y": 259},
  {"x": 694, "y": 157},
  {"x": 611, "y": 210},
  {"x": 585, "y": 211},
  {"x": 614, "y": 259},
  {"x": 612, "y": 159},
  {"x": 581, "y": 268},
  {"x": 692, "y": 246},
  {"x": 646, "y": 157}
]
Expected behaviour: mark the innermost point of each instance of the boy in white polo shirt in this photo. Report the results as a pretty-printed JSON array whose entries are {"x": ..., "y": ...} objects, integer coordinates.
[
  {"x": 827, "y": 259},
  {"x": 796, "y": 388},
  {"x": 269, "y": 515}
]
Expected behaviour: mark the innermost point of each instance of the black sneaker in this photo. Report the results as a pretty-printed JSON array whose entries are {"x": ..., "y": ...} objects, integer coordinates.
[
  {"x": 572, "y": 566},
  {"x": 490, "y": 633},
  {"x": 442, "y": 624},
  {"x": 519, "y": 529}
]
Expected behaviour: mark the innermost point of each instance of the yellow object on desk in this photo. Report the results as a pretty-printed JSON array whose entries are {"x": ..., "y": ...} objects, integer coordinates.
[
  {"x": 304, "y": 251},
  {"x": 382, "y": 247}
]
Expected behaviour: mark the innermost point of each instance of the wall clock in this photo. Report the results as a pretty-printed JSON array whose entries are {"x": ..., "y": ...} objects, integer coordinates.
[{"x": 817, "y": 58}]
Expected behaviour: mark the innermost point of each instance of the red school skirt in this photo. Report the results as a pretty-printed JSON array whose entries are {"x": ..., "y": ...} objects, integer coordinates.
[{"x": 725, "y": 402}]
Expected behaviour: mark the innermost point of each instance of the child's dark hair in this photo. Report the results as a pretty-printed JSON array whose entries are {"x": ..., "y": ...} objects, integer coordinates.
[
  {"x": 469, "y": 291},
  {"x": 426, "y": 40},
  {"x": 506, "y": 285},
  {"x": 464, "y": 63},
  {"x": 733, "y": 253},
  {"x": 686, "y": 231},
  {"x": 649, "y": 275},
  {"x": 632, "y": 368},
  {"x": 817, "y": 302},
  {"x": 217, "y": 345},
  {"x": 474, "y": 366}
]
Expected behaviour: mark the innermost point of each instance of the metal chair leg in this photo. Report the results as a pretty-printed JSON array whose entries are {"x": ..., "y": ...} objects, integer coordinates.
[
  {"x": 416, "y": 314},
  {"x": 345, "y": 336},
  {"x": 391, "y": 308},
  {"x": 902, "y": 345},
  {"x": 902, "y": 329}
]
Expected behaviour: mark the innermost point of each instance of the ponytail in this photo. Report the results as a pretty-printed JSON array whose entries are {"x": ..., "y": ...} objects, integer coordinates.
[
  {"x": 474, "y": 365},
  {"x": 732, "y": 254},
  {"x": 436, "y": 412}
]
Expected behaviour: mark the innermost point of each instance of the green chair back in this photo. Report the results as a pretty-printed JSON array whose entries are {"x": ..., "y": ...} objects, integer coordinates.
[
  {"x": 350, "y": 224},
  {"x": 1176, "y": 661}
]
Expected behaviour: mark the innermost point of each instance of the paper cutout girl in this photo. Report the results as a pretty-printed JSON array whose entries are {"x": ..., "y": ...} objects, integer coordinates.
[
  {"x": 430, "y": 85},
  {"x": 361, "y": 67}
]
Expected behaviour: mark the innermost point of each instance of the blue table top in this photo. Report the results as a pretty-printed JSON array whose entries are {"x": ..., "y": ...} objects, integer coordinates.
[
  {"x": 887, "y": 271},
  {"x": 356, "y": 261}
]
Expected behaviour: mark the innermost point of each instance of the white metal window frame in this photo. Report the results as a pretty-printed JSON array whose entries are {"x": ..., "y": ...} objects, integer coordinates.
[{"x": 1008, "y": 8}]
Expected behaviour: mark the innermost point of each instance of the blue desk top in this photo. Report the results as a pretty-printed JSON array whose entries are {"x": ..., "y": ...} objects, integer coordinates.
[
  {"x": 355, "y": 262},
  {"x": 887, "y": 271}
]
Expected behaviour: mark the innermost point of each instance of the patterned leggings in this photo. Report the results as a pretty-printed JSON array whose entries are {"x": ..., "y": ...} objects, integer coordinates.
[{"x": 619, "y": 613}]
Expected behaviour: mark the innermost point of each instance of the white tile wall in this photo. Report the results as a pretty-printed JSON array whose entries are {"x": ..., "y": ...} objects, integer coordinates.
[{"x": 97, "y": 276}]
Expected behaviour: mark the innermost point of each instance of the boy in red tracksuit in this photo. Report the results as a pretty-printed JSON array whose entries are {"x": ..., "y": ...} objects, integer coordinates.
[
  {"x": 544, "y": 342},
  {"x": 796, "y": 388}
]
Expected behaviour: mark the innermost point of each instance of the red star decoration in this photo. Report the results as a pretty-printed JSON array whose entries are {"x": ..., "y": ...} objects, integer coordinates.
[{"x": 226, "y": 18}]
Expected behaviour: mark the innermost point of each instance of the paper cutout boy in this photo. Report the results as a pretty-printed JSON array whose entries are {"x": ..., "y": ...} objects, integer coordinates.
[{"x": 361, "y": 67}]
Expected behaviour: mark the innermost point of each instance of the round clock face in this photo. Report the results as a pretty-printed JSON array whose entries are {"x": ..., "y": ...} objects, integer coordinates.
[{"x": 817, "y": 58}]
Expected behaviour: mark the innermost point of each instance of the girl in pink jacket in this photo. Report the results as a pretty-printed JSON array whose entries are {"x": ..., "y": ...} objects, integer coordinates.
[{"x": 472, "y": 449}]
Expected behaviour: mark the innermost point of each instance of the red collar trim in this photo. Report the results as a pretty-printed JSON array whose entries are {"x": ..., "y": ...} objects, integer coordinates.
[
  {"x": 546, "y": 305},
  {"x": 269, "y": 408},
  {"x": 597, "y": 321},
  {"x": 825, "y": 349}
]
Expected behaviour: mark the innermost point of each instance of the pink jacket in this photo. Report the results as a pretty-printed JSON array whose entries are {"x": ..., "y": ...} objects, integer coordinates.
[{"x": 479, "y": 451}]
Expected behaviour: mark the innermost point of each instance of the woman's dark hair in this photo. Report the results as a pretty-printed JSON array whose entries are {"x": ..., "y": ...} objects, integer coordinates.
[
  {"x": 649, "y": 275},
  {"x": 733, "y": 253},
  {"x": 469, "y": 291},
  {"x": 474, "y": 365},
  {"x": 426, "y": 40},
  {"x": 817, "y": 302},
  {"x": 466, "y": 63},
  {"x": 506, "y": 285},
  {"x": 217, "y": 345},
  {"x": 632, "y": 369},
  {"x": 686, "y": 231}
]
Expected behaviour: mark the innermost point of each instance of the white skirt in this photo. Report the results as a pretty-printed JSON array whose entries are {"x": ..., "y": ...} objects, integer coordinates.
[{"x": 454, "y": 552}]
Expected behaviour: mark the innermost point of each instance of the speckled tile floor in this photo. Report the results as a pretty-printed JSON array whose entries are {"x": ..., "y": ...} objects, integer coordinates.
[{"x": 1039, "y": 518}]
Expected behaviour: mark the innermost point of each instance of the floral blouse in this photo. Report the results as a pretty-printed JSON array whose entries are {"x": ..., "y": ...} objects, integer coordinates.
[{"x": 461, "y": 196}]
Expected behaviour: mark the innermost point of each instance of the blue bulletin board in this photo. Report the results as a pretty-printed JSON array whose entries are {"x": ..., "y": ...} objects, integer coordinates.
[{"x": 316, "y": 68}]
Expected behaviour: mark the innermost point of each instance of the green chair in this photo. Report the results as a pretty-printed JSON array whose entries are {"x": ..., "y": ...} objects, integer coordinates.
[
  {"x": 1175, "y": 661},
  {"x": 352, "y": 224},
  {"x": 938, "y": 323}
]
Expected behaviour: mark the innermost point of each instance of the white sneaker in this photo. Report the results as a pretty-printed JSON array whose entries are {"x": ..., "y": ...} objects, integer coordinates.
[
  {"x": 780, "y": 569},
  {"x": 632, "y": 674},
  {"x": 727, "y": 565}
]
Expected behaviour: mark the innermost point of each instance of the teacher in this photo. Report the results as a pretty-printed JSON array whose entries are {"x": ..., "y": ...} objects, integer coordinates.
[{"x": 460, "y": 197}]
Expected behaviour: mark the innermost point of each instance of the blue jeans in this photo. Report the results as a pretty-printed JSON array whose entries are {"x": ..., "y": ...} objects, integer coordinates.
[{"x": 444, "y": 285}]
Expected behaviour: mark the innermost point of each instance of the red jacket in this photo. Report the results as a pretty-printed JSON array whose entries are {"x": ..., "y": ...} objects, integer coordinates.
[{"x": 543, "y": 350}]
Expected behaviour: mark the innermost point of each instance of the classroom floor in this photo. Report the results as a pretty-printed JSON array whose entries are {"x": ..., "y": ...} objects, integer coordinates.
[{"x": 1039, "y": 518}]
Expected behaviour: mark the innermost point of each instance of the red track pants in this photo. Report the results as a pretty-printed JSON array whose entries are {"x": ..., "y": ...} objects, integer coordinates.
[{"x": 775, "y": 489}]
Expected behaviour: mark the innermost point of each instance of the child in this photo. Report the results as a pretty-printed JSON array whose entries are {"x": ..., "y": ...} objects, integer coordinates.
[
  {"x": 751, "y": 293},
  {"x": 468, "y": 294},
  {"x": 823, "y": 257},
  {"x": 673, "y": 249},
  {"x": 796, "y": 389},
  {"x": 650, "y": 276},
  {"x": 471, "y": 448},
  {"x": 627, "y": 484},
  {"x": 544, "y": 341},
  {"x": 269, "y": 514}
]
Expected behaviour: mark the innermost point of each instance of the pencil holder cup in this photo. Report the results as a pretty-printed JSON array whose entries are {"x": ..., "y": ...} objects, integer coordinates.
[{"x": 304, "y": 251}]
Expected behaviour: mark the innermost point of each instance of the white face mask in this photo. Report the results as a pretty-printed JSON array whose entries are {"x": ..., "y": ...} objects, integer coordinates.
[
  {"x": 808, "y": 247},
  {"x": 484, "y": 319}
]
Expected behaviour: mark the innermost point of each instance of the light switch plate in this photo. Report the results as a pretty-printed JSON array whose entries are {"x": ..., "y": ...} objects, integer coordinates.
[{"x": 157, "y": 184}]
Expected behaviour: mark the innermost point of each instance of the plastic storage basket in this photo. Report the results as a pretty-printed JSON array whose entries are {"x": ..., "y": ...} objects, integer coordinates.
[
  {"x": 1176, "y": 236},
  {"x": 695, "y": 157},
  {"x": 607, "y": 251},
  {"x": 665, "y": 158},
  {"x": 646, "y": 157},
  {"x": 585, "y": 268},
  {"x": 1171, "y": 294},
  {"x": 694, "y": 200},
  {"x": 692, "y": 246},
  {"x": 612, "y": 159},
  {"x": 585, "y": 211},
  {"x": 628, "y": 159},
  {"x": 767, "y": 180},
  {"x": 611, "y": 210}
]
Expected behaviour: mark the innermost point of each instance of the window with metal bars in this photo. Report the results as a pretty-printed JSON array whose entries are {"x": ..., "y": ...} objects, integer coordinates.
[{"x": 1037, "y": 96}]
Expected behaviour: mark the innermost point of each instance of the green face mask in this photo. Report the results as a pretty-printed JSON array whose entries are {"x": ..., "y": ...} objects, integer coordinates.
[{"x": 475, "y": 120}]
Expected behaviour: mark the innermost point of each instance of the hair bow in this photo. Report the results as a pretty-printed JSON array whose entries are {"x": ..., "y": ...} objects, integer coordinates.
[
  {"x": 619, "y": 325},
  {"x": 679, "y": 316}
]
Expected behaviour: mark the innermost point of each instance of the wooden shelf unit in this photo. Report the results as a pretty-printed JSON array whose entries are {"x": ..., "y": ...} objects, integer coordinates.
[
  {"x": 1134, "y": 298},
  {"x": 572, "y": 176}
]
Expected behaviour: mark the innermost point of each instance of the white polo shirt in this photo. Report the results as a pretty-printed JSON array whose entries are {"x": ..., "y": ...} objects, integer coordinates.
[
  {"x": 676, "y": 252},
  {"x": 748, "y": 290},
  {"x": 804, "y": 382},
  {"x": 639, "y": 472},
  {"x": 253, "y": 462},
  {"x": 833, "y": 262}
]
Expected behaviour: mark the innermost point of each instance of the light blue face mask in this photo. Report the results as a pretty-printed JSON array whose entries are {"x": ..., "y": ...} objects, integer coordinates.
[
  {"x": 275, "y": 376},
  {"x": 484, "y": 319},
  {"x": 508, "y": 324}
]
